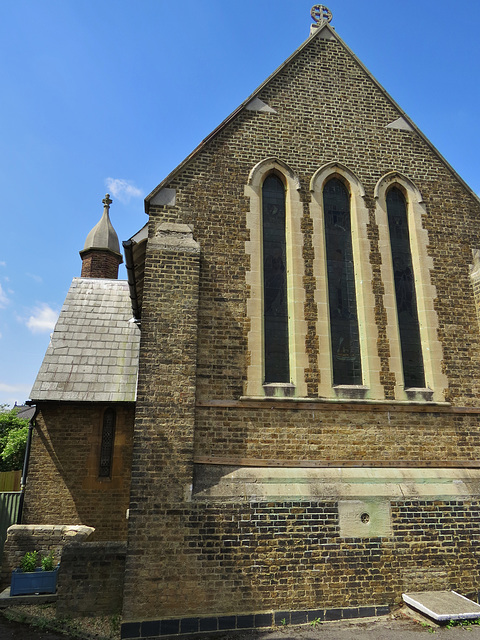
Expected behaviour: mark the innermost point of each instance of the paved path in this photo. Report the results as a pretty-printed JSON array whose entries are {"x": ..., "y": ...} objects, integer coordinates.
[{"x": 383, "y": 628}]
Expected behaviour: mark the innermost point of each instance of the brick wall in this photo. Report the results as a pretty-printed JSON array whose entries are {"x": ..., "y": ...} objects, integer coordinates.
[
  {"x": 100, "y": 264},
  {"x": 90, "y": 579},
  {"x": 335, "y": 432},
  {"x": 163, "y": 452},
  {"x": 245, "y": 558},
  {"x": 197, "y": 558},
  {"x": 41, "y": 538},
  {"x": 63, "y": 486},
  {"x": 317, "y": 99}
]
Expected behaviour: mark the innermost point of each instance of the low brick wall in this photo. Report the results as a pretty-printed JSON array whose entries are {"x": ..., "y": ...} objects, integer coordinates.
[
  {"x": 42, "y": 538},
  {"x": 90, "y": 580}
]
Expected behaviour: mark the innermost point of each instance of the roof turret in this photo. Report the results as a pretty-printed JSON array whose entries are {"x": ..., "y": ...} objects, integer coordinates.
[
  {"x": 101, "y": 254},
  {"x": 103, "y": 235}
]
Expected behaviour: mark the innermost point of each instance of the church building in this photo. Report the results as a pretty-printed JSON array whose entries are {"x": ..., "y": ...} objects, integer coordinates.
[{"x": 279, "y": 411}]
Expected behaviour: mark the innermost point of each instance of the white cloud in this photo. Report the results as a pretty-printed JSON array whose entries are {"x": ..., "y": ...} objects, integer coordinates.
[
  {"x": 3, "y": 298},
  {"x": 34, "y": 276},
  {"x": 3, "y": 263},
  {"x": 122, "y": 189},
  {"x": 11, "y": 393},
  {"x": 43, "y": 319}
]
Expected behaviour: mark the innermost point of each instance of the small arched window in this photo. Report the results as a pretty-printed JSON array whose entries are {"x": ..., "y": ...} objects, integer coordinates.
[
  {"x": 275, "y": 305},
  {"x": 106, "y": 447},
  {"x": 405, "y": 294},
  {"x": 344, "y": 334}
]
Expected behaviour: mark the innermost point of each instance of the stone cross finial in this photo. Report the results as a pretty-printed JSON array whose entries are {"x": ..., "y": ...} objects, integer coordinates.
[
  {"x": 106, "y": 201},
  {"x": 320, "y": 13}
]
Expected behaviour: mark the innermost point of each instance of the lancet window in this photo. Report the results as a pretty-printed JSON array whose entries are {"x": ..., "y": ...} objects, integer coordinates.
[
  {"x": 405, "y": 294},
  {"x": 344, "y": 333},
  {"x": 275, "y": 301},
  {"x": 106, "y": 447}
]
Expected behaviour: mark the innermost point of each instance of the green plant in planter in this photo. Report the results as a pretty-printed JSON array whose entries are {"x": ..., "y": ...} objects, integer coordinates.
[
  {"x": 30, "y": 578},
  {"x": 29, "y": 562},
  {"x": 48, "y": 562}
]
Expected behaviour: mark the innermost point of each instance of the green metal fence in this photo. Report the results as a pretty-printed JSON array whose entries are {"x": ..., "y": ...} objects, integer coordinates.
[{"x": 9, "y": 505}]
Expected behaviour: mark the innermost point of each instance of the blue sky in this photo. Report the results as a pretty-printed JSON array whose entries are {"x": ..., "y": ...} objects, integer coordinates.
[{"x": 105, "y": 95}]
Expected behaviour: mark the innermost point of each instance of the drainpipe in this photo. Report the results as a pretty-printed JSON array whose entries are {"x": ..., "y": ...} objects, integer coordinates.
[
  {"x": 23, "y": 482},
  {"x": 129, "y": 264}
]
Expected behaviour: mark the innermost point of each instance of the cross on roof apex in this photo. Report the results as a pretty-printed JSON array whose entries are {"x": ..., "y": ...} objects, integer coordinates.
[{"x": 320, "y": 13}]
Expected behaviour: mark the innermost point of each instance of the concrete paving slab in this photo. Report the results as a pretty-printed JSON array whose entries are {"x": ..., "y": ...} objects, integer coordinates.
[
  {"x": 442, "y": 606},
  {"x": 6, "y": 600}
]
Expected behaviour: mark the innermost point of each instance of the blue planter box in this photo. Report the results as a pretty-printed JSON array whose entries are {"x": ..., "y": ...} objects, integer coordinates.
[{"x": 37, "y": 581}]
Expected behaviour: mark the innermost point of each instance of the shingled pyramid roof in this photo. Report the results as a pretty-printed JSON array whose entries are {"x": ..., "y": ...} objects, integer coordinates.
[{"x": 93, "y": 351}]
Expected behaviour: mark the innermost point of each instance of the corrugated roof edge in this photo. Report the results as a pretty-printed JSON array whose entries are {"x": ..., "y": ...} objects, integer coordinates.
[{"x": 232, "y": 116}]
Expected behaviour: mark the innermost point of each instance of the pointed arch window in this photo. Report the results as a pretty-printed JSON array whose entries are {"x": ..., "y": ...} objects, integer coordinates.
[
  {"x": 405, "y": 294},
  {"x": 275, "y": 303},
  {"x": 344, "y": 333},
  {"x": 108, "y": 440}
]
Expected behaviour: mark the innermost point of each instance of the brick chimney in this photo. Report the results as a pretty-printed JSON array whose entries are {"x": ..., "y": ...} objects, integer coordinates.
[{"x": 101, "y": 254}]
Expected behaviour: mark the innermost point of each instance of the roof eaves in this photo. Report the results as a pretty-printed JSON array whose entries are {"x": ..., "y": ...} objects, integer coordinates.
[{"x": 234, "y": 114}]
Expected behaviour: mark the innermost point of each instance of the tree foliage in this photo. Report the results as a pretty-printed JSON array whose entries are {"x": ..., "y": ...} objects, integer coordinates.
[{"x": 13, "y": 439}]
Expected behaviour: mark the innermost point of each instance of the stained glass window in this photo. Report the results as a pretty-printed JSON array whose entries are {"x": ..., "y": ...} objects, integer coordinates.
[
  {"x": 346, "y": 362},
  {"x": 275, "y": 308},
  {"x": 106, "y": 447},
  {"x": 412, "y": 359}
]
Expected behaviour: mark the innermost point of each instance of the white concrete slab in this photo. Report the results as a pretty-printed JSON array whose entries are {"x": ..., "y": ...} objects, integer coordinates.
[{"x": 442, "y": 606}]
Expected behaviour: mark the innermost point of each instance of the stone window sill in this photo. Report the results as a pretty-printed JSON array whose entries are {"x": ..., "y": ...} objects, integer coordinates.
[
  {"x": 351, "y": 391},
  {"x": 279, "y": 390}
]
